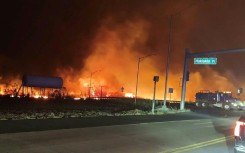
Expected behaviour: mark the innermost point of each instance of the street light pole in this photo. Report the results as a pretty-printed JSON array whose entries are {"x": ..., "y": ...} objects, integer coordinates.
[
  {"x": 90, "y": 85},
  {"x": 91, "y": 74},
  {"x": 137, "y": 77}
]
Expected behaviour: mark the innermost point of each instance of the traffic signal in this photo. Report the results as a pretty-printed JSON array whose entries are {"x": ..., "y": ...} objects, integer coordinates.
[
  {"x": 156, "y": 78},
  {"x": 187, "y": 75},
  {"x": 240, "y": 91}
]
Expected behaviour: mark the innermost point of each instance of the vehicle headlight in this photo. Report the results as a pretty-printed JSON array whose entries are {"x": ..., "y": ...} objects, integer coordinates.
[{"x": 234, "y": 104}]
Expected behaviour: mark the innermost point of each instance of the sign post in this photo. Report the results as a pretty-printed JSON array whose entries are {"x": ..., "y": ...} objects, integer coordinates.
[
  {"x": 155, "y": 79},
  {"x": 170, "y": 91}
]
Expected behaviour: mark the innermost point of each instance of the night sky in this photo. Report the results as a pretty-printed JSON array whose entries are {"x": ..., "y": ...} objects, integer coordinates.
[
  {"x": 69, "y": 37},
  {"x": 56, "y": 33}
]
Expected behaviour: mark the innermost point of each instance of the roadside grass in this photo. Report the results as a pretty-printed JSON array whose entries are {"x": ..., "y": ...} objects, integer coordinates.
[{"x": 27, "y": 108}]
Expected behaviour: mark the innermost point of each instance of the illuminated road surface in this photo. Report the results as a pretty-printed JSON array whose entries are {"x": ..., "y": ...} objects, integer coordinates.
[{"x": 204, "y": 135}]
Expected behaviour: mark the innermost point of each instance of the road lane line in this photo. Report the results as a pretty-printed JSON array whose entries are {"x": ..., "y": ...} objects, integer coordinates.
[
  {"x": 209, "y": 126},
  {"x": 145, "y": 123},
  {"x": 166, "y": 122},
  {"x": 203, "y": 123},
  {"x": 204, "y": 145},
  {"x": 198, "y": 145}
]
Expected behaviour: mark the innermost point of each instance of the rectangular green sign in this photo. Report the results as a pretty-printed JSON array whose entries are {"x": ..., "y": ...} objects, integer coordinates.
[{"x": 206, "y": 61}]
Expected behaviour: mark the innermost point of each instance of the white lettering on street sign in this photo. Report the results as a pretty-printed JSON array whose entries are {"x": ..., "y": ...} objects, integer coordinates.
[{"x": 205, "y": 61}]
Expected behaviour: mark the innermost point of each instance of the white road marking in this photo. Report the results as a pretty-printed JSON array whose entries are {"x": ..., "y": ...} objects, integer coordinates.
[
  {"x": 209, "y": 126},
  {"x": 166, "y": 122},
  {"x": 203, "y": 123}
]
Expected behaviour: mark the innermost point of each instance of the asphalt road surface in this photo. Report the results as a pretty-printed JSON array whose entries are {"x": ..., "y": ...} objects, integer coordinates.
[{"x": 195, "y": 132}]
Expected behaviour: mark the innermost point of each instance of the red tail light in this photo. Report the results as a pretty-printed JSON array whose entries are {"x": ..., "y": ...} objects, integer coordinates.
[{"x": 238, "y": 128}]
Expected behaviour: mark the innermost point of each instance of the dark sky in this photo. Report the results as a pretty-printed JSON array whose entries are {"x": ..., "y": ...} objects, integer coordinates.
[{"x": 39, "y": 36}]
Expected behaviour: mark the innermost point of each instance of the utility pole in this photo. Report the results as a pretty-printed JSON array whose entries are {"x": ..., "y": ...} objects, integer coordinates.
[
  {"x": 167, "y": 65},
  {"x": 169, "y": 47},
  {"x": 101, "y": 91}
]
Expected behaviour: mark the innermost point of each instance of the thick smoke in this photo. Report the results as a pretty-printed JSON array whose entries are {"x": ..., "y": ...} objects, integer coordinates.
[
  {"x": 102, "y": 41},
  {"x": 219, "y": 26}
]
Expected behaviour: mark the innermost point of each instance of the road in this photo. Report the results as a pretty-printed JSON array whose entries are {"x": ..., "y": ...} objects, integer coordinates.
[{"x": 194, "y": 132}]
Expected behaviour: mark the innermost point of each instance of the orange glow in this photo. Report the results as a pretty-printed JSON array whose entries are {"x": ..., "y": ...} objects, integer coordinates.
[
  {"x": 1, "y": 89},
  {"x": 39, "y": 96},
  {"x": 77, "y": 98},
  {"x": 36, "y": 96},
  {"x": 114, "y": 57},
  {"x": 115, "y": 61},
  {"x": 129, "y": 95}
]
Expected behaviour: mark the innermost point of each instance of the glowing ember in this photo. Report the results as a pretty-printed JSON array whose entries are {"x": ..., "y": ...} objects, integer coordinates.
[
  {"x": 36, "y": 96},
  {"x": 129, "y": 95},
  {"x": 77, "y": 98},
  {"x": 86, "y": 84}
]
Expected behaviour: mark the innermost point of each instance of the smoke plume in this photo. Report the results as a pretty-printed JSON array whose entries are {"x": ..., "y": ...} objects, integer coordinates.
[{"x": 98, "y": 44}]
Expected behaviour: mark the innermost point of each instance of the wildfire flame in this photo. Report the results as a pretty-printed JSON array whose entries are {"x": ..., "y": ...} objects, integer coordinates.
[
  {"x": 129, "y": 95},
  {"x": 115, "y": 57}
]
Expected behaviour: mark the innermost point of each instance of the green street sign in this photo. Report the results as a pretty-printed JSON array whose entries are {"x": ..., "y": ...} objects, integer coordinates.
[{"x": 205, "y": 61}]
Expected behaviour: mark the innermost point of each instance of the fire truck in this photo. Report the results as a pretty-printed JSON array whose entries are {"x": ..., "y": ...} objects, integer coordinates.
[{"x": 223, "y": 100}]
